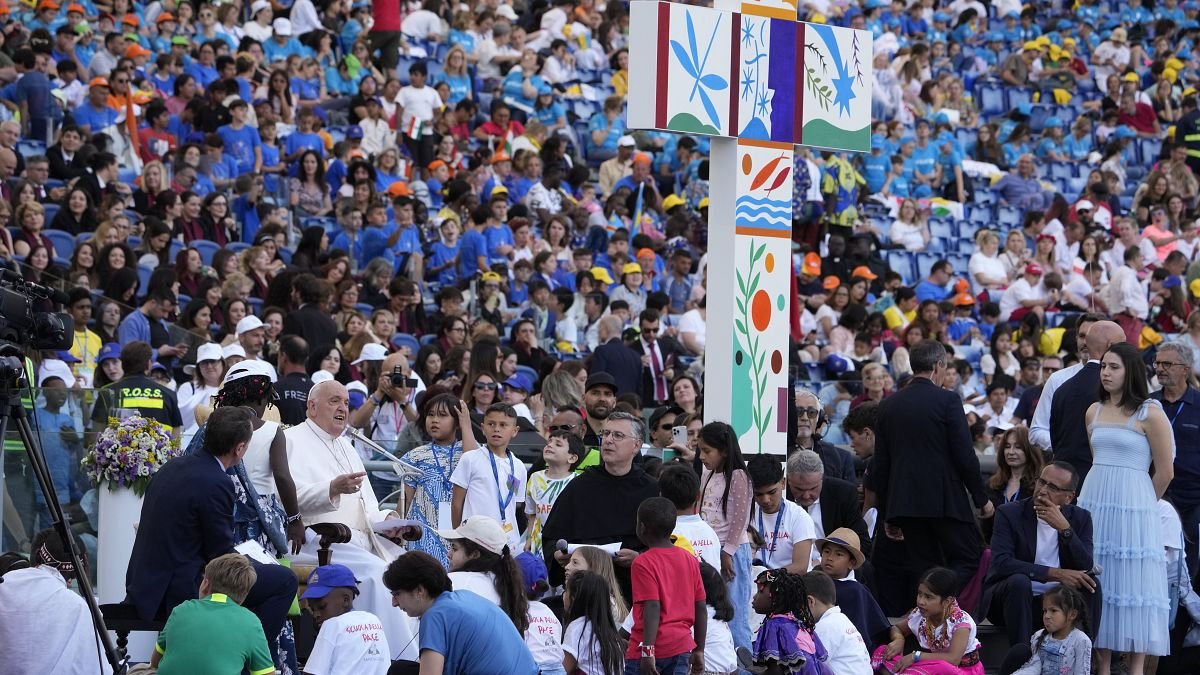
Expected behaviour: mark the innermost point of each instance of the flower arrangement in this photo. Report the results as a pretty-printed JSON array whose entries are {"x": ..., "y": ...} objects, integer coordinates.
[{"x": 129, "y": 452}]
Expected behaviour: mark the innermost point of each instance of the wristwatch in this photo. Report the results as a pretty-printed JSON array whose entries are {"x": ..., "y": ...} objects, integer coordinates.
[
  {"x": 646, "y": 650},
  {"x": 1066, "y": 534},
  {"x": 917, "y": 656}
]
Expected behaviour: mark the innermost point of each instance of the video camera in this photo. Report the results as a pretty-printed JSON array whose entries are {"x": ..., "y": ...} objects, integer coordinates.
[{"x": 21, "y": 325}]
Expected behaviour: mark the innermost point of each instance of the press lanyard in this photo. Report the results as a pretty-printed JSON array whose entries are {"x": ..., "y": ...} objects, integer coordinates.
[
  {"x": 444, "y": 475},
  {"x": 775, "y": 534},
  {"x": 1177, "y": 411},
  {"x": 511, "y": 479}
]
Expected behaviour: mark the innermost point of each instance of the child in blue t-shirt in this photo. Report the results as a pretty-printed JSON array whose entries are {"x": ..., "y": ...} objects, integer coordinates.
[
  {"x": 303, "y": 138},
  {"x": 1049, "y": 148},
  {"x": 876, "y": 166},
  {"x": 272, "y": 166},
  {"x": 443, "y": 257},
  {"x": 897, "y": 183}
]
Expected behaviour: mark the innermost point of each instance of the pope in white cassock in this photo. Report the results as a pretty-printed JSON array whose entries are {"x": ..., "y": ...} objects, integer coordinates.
[{"x": 329, "y": 486}]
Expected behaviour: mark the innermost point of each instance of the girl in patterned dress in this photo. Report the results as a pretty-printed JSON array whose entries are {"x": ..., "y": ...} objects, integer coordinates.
[
  {"x": 447, "y": 424},
  {"x": 945, "y": 633},
  {"x": 786, "y": 642}
]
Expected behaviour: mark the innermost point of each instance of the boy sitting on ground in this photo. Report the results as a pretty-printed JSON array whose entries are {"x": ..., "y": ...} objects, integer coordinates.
[{"x": 349, "y": 640}]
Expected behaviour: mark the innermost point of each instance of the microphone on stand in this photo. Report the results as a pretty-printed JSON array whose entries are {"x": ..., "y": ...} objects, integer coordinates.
[{"x": 402, "y": 467}]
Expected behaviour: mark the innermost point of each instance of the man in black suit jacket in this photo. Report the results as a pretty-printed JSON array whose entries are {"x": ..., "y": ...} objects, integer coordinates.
[
  {"x": 659, "y": 360},
  {"x": 67, "y": 160},
  {"x": 1038, "y": 541},
  {"x": 310, "y": 321},
  {"x": 1068, "y": 429},
  {"x": 187, "y": 520},
  {"x": 831, "y": 502},
  {"x": 925, "y": 466},
  {"x": 614, "y": 358}
]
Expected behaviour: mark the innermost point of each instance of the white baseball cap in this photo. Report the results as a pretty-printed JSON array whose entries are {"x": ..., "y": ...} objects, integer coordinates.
[
  {"x": 56, "y": 368},
  {"x": 258, "y": 6},
  {"x": 320, "y": 376},
  {"x": 626, "y": 141},
  {"x": 1084, "y": 205},
  {"x": 507, "y": 12},
  {"x": 249, "y": 323},
  {"x": 282, "y": 27},
  {"x": 210, "y": 351},
  {"x": 482, "y": 530},
  {"x": 358, "y": 386},
  {"x": 249, "y": 368},
  {"x": 371, "y": 352},
  {"x": 233, "y": 350}
]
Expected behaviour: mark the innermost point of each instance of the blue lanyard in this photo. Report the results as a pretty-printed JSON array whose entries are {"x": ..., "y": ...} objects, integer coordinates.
[
  {"x": 1177, "y": 411},
  {"x": 512, "y": 479},
  {"x": 775, "y": 534},
  {"x": 445, "y": 475}
]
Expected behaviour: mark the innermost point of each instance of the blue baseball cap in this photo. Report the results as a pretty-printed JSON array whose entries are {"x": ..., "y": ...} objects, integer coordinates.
[
  {"x": 1012, "y": 15},
  {"x": 875, "y": 4},
  {"x": 66, "y": 356},
  {"x": 533, "y": 569},
  {"x": 544, "y": 90},
  {"x": 878, "y": 142},
  {"x": 941, "y": 118},
  {"x": 111, "y": 350},
  {"x": 1065, "y": 24},
  {"x": 1124, "y": 132},
  {"x": 941, "y": 16},
  {"x": 354, "y": 133},
  {"x": 155, "y": 365},
  {"x": 946, "y": 137},
  {"x": 1025, "y": 108},
  {"x": 1053, "y": 123},
  {"x": 519, "y": 381},
  {"x": 907, "y": 138},
  {"x": 328, "y": 577}
]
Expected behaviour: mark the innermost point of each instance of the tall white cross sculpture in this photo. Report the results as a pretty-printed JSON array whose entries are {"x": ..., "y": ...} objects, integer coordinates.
[{"x": 759, "y": 82}]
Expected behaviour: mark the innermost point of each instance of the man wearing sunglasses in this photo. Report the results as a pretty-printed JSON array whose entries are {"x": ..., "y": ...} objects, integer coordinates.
[
  {"x": 1039, "y": 543},
  {"x": 1181, "y": 402}
]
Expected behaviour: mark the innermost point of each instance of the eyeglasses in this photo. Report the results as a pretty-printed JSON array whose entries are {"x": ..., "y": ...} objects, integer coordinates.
[
  {"x": 1167, "y": 364},
  {"x": 1054, "y": 489},
  {"x": 121, "y": 81},
  {"x": 808, "y": 412},
  {"x": 615, "y": 435},
  {"x": 458, "y": 329},
  {"x": 487, "y": 386},
  {"x": 665, "y": 427},
  {"x": 555, "y": 428}
]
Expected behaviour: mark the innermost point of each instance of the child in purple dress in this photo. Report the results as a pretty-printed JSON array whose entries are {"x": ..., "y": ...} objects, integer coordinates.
[{"x": 786, "y": 642}]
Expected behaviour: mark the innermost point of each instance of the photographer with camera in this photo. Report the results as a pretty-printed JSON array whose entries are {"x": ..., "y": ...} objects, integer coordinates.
[{"x": 390, "y": 407}]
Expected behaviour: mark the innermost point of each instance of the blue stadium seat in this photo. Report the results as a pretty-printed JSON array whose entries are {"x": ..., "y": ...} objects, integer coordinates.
[
  {"x": 969, "y": 353},
  {"x": 1062, "y": 169},
  {"x": 942, "y": 229},
  {"x": 924, "y": 263},
  {"x": 285, "y": 254},
  {"x": 980, "y": 215},
  {"x": 1037, "y": 119},
  {"x": 961, "y": 259},
  {"x": 237, "y": 246},
  {"x": 133, "y": 241},
  {"x": 82, "y": 237},
  {"x": 1008, "y": 217},
  {"x": 1018, "y": 95},
  {"x": 966, "y": 136},
  {"x": 985, "y": 196},
  {"x": 968, "y": 230},
  {"x": 256, "y": 305},
  {"x": 207, "y": 249},
  {"x": 29, "y": 147},
  {"x": 936, "y": 244},
  {"x": 184, "y": 299},
  {"x": 1075, "y": 186},
  {"x": 1149, "y": 149},
  {"x": 405, "y": 340},
  {"x": 144, "y": 272},
  {"x": 51, "y": 210},
  {"x": 365, "y": 308},
  {"x": 63, "y": 242},
  {"x": 901, "y": 262},
  {"x": 991, "y": 99},
  {"x": 428, "y": 339}
]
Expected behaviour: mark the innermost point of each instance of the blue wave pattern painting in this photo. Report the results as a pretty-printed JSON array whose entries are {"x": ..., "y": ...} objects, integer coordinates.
[{"x": 762, "y": 213}]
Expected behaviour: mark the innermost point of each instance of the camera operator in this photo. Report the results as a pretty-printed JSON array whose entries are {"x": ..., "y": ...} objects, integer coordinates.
[{"x": 390, "y": 407}]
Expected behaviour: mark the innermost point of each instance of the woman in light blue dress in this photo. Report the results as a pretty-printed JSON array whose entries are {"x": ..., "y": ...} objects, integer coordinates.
[{"x": 1128, "y": 432}]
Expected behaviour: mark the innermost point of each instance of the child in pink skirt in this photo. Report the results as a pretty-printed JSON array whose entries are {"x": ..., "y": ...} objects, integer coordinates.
[{"x": 945, "y": 633}]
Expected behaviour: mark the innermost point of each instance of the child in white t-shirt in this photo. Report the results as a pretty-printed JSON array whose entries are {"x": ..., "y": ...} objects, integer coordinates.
[
  {"x": 592, "y": 643},
  {"x": 492, "y": 483},
  {"x": 785, "y": 527},
  {"x": 545, "y": 632},
  {"x": 845, "y": 645},
  {"x": 350, "y": 641},
  {"x": 720, "y": 655},
  {"x": 563, "y": 452},
  {"x": 679, "y": 484}
]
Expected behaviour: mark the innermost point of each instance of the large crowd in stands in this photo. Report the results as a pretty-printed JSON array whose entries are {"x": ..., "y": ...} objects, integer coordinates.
[{"x": 428, "y": 222}]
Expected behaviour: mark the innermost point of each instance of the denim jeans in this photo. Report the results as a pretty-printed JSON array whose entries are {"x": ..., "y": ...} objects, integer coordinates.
[
  {"x": 674, "y": 665},
  {"x": 739, "y": 595}
]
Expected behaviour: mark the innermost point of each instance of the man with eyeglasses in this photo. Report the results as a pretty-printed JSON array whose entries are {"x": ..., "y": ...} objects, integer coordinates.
[
  {"x": 1029, "y": 398},
  {"x": 838, "y": 463},
  {"x": 1037, "y": 544},
  {"x": 1181, "y": 403},
  {"x": 600, "y": 505}
]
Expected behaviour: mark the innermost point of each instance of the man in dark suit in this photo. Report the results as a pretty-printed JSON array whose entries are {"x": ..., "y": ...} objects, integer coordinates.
[
  {"x": 831, "y": 502},
  {"x": 925, "y": 466},
  {"x": 1068, "y": 429},
  {"x": 659, "y": 358},
  {"x": 66, "y": 159},
  {"x": 614, "y": 358},
  {"x": 101, "y": 177},
  {"x": 1038, "y": 543},
  {"x": 187, "y": 520},
  {"x": 311, "y": 321}
]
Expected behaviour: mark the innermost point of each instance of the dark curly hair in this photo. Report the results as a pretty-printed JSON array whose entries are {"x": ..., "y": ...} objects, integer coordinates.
[
  {"x": 788, "y": 595},
  {"x": 245, "y": 391}
]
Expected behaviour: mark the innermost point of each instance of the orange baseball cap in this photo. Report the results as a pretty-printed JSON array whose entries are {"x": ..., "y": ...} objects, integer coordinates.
[
  {"x": 164, "y": 17},
  {"x": 97, "y": 82},
  {"x": 436, "y": 164},
  {"x": 76, "y": 7},
  {"x": 962, "y": 286},
  {"x": 501, "y": 156},
  {"x": 864, "y": 272},
  {"x": 47, "y": 4},
  {"x": 399, "y": 189},
  {"x": 812, "y": 265},
  {"x": 645, "y": 253},
  {"x": 135, "y": 50},
  {"x": 642, "y": 158},
  {"x": 963, "y": 300},
  {"x": 831, "y": 282},
  {"x": 130, "y": 19}
]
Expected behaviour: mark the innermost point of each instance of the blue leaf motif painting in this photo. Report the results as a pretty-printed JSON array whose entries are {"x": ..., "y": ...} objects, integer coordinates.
[{"x": 694, "y": 65}]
